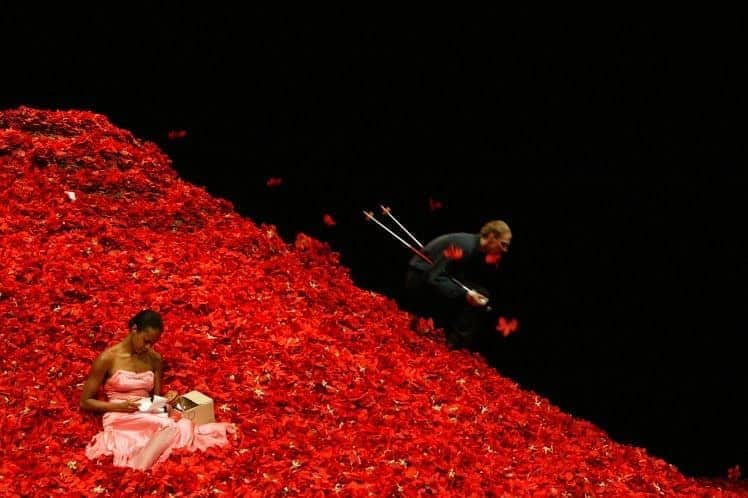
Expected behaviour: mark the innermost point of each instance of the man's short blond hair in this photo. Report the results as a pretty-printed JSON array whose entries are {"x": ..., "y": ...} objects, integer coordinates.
[{"x": 497, "y": 227}]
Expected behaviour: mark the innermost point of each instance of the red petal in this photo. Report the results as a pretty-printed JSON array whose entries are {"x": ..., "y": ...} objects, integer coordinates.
[
  {"x": 175, "y": 134},
  {"x": 453, "y": 252},
  {"x": 506, "y": 327},
  {"x": 328, "y": 220}
]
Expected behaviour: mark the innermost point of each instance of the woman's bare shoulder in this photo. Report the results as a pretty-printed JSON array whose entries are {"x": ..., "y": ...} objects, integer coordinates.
[
  {"x": 155, "y": 358},
  {"x": 109, "y": 353},
  {"x": 103, "y": 363},
  {"x": 109, "y": 356}
]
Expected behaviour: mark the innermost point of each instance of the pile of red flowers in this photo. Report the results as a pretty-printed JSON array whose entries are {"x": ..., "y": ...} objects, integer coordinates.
[{"x": 329, "y": 388}]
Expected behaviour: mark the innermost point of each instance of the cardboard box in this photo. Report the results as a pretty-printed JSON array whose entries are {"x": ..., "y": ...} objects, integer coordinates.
[{"x": 196, "y": 406}]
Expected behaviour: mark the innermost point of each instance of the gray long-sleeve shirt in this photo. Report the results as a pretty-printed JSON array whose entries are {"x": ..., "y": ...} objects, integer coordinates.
[{"x": 438, "y": 275}]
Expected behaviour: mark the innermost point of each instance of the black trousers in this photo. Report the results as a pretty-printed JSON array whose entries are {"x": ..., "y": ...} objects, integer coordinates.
[{"x": 464, "y": 325}]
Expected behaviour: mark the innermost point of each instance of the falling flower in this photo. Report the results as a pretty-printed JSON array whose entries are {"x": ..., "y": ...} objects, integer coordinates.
[
  {"x": 435, "y": 204},
  {"x": 328, "y": 220},
  {"x": 734, "y": 473},
  {"x": 274, "y": 181},
  {"x": 506, "y": 327},
  {"x": 176, "y": 134},
  {"x": 453, "y": 252}
]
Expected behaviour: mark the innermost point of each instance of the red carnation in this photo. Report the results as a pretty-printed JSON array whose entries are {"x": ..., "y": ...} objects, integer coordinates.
[
  {"x": 435, "y": 204},
  {"x": 453, "y": 253},
  {"x": 328, "y": 220},
  {"x": 734, "y": 473},
  {"x": 175, "y": 134},
  {"x": 507, "y": 327}
]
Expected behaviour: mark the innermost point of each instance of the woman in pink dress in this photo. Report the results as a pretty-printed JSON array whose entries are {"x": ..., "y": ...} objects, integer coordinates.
[{"x": 130, "y": 371}]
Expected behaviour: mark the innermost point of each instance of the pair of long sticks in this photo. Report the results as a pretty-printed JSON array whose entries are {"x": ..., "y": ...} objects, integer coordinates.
[{"x": 416, "y": 250}]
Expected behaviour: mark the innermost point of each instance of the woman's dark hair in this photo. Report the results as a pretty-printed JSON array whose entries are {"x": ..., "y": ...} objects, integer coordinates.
[{"x": 146, "y": 319}]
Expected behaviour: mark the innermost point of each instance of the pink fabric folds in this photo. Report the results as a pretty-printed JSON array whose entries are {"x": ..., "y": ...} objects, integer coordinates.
[{"x": 139, "y": 440}]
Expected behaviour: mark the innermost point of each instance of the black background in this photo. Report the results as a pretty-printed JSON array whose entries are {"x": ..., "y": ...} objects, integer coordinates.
[{"x": 612, "y": 143}]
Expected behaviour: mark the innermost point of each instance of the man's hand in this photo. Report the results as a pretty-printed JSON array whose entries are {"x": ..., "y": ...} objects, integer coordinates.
[{"x": 476, "y": 298}]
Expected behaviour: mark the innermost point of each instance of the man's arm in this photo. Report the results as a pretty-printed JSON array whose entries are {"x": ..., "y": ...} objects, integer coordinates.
[{"x": 439, "y": 280}]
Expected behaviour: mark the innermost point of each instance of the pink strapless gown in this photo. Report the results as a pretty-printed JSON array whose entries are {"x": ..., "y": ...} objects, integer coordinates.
[{"x": 138, "y": 440}]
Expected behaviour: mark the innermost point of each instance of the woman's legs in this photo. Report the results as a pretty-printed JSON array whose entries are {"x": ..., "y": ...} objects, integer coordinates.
[{"x": 160, "y": 441}]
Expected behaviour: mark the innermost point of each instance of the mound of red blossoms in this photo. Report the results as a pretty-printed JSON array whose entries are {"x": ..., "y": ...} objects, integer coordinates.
[{"x": 330, "y": 390}]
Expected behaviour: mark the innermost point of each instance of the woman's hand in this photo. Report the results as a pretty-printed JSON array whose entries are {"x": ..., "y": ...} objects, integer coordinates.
[
  {"x": 170, "y": 396},
  {"x": 128, "y": 406}
]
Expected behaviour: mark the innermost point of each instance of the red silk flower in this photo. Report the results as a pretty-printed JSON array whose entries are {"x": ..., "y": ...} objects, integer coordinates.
[
  {"x": 328, "y": 220},
  {"x": 332, "y": 389},
  {"x": 734, "y": 473},
  {"x": 507, "y": 327},
  {"x": 453, "y": 253},
  {"x": 435, "y": 204},
  {"x": 175, "y": 134},
  {"x": 274, "y": 181}
]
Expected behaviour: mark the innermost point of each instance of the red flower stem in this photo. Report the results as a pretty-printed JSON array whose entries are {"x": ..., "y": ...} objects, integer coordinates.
[
  {"x": 418, "y": 253},
  {"x": 388, "y": 212}
]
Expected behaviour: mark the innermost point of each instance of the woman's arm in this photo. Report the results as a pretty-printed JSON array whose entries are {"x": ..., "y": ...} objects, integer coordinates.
[
  {"x": 158, "y": 370},
  {"x": 88, "y": 398}
]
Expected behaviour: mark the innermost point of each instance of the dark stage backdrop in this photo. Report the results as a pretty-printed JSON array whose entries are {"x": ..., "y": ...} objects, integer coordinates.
[{"x": 615, "y": 155}]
